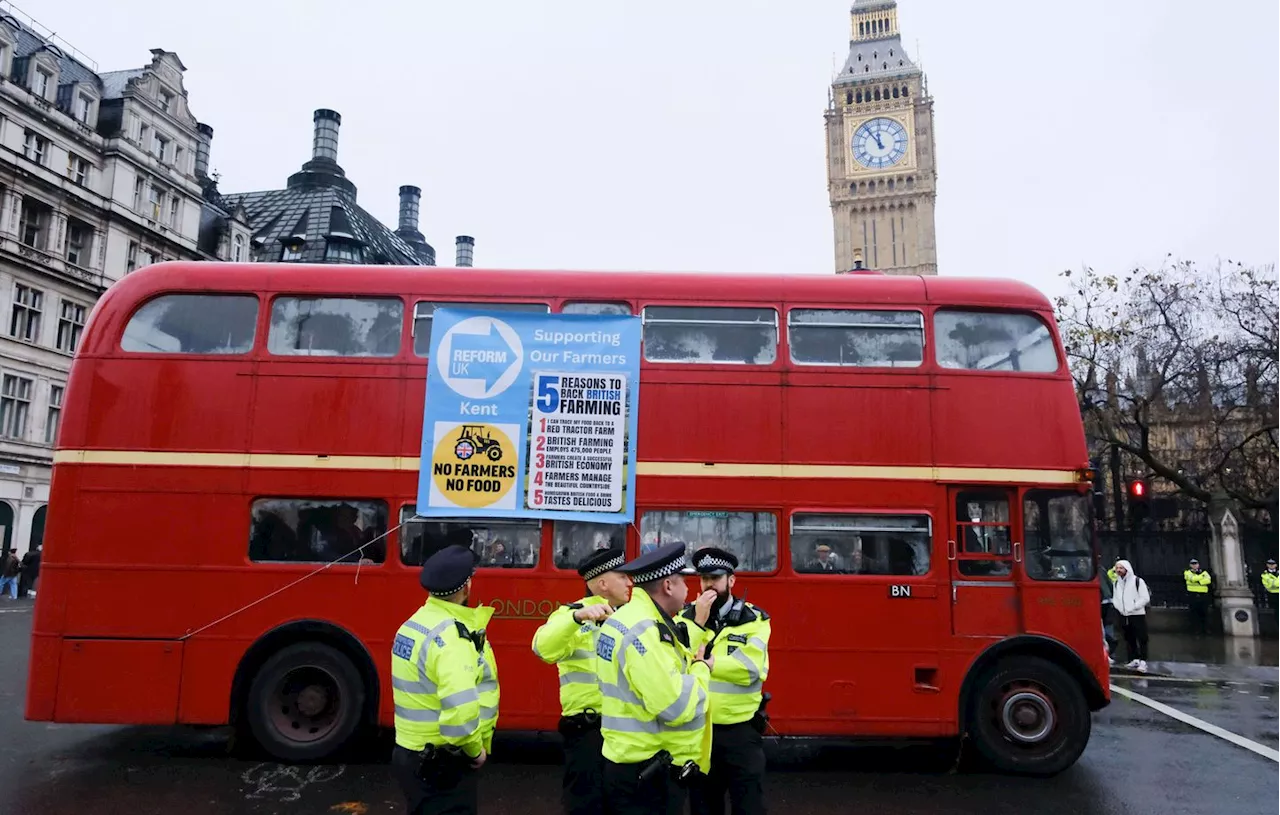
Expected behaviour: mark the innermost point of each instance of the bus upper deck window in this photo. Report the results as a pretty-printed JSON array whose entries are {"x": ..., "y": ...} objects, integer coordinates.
[
  {"x": 587, "y": 307},
  {"x": 193, "y": 324},
  {"x": 423, "y": 312},
  {"x": 711, "y": 334},
  {"x": 858, "y": 338},
  {"x": 993, "y": 341},
  {"x": 336, "y": 326}
]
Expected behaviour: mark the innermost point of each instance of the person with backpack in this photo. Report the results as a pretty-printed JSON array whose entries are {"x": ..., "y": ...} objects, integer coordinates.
[{"x": 1130, "y": 598}]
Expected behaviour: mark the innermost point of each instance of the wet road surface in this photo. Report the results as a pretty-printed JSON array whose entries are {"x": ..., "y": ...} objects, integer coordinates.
[{"x": 1139, "y": 761}]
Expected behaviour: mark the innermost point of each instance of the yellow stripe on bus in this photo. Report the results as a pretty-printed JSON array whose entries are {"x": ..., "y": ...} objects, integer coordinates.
[{"x": 646, "y": 468}]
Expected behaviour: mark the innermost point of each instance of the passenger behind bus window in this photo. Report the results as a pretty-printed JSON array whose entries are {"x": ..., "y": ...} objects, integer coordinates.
[
  {"x": 575, "y": 541},
  {"x": 824, "y": 559}
]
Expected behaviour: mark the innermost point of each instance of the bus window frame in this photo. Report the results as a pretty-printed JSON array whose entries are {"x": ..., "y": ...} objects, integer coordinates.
[
  {"x": 777, "y": 511},
  {"x": 780, "y": 357},
  {"x": 418, "y": 300},
  {"x": 263, "y": 351},
  {"x": 935, "y": 537},
  {"x": 545, "y": 543},
  {"x": 116, "y": 350},
  {"x": 926, "y": 357},
  {"x": 1063, "y": 371},
  {"x": 550, "y": 543}
]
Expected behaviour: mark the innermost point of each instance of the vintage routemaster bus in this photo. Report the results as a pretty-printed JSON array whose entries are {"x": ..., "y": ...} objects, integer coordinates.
[{"x": 899, "y": 463}]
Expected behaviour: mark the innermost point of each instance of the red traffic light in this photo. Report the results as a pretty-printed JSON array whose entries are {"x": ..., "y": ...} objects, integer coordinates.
[{"x": 1138, "y": 489}]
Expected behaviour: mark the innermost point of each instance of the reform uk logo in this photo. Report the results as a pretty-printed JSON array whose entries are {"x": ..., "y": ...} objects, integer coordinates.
[{"x": 480, "y": 357}]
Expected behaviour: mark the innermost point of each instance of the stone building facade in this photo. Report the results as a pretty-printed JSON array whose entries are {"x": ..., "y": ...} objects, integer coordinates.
[
  {"x": 98, "y": 177},
  {"x": 881, "y": 163}
]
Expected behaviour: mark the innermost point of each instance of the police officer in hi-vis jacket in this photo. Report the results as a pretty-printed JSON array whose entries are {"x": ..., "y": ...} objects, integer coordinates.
[
  {"x": 654, "y": 721},
  {"x": 737, "y": 636},
  {"x": 444, "y": 681},
  {"x": 568, "y": 640}
]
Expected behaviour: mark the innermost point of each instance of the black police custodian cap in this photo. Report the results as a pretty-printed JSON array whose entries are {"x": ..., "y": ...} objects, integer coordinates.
[
  {"x": 597, "y": 563},
  {"x": 448, "y": 570},
  {"x": 713, "y": 560},
  {"x": 665, "y": 561}
]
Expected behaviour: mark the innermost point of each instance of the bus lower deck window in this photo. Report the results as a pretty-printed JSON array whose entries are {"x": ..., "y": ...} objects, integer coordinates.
[
  {"x": 752, "y": 536},
  {"x": 575, "y": 541},
  {"x": 861, "y": 544},
  {"x": 503, "y": 544},
  {"x": 309, "y": 530}
]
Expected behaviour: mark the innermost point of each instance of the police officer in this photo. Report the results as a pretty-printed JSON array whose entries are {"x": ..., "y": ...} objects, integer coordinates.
[
  {"x": 1198, "y": 594},
  {"x": 445, "y": 685},
  {"x": 738, "y": 638},
  {"x": 654, "y": 686},
  {"x": 1271, "y": 582},
  {"x": 568, "y": 640}
]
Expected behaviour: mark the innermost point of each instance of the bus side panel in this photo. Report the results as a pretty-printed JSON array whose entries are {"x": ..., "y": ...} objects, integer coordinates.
[
  {"x": 119, "y": 681},
  {"x": 328, "y": 409},
  {"x": 208, "y": 667},
  {"x": 42, "y": 676},
  {"x": 168, "y": 403},
  {"x": 709, "y": 421},
  {"x": 826, "y": 424},
  {"x": 975, "y": 427}
]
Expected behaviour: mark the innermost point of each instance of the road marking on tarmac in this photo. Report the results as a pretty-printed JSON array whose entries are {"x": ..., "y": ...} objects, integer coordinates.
[
  {"x": 1239, "y": 741},
  {"x": 14, "y": 610}
]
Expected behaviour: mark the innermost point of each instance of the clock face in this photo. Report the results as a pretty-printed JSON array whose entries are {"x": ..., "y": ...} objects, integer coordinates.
[{"x": 880, "y": 143}]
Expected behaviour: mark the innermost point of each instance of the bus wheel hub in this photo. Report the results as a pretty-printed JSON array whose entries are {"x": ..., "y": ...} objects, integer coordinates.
[
  {"x": 1027, "y": 716},
  {"x": 312, "y": 700}
]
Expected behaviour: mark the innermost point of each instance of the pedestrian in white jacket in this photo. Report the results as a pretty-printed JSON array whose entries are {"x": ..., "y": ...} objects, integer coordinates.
[{"x": 1130, "y": 598}]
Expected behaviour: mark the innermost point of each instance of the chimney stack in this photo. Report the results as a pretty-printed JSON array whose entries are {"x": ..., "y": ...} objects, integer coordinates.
[
  {"x": 410, "y": 196},
  {"x": 466, "y": 250},
  {"x": 324, "y": 146},
  {"x": 204, "y": 139}
]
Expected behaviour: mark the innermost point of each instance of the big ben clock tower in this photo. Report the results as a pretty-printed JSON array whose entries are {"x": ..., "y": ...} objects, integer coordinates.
[{"x": 881, "y": 170}]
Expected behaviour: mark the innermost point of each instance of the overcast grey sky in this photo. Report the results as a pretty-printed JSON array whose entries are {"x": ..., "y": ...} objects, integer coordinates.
[{"x": 689, "y": 136}]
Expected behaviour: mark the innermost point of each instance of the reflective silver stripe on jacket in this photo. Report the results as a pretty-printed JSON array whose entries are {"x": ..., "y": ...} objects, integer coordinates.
[
  {"x": 417, "y": 714},
  {"x": 460, "y": 731},
  {"x": 730, "y": 688},
  {"x": 577, "y": 678},
  {"x": 461, "y": 697}
]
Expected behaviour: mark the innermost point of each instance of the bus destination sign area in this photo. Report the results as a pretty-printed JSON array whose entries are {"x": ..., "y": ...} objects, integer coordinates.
[{"x": 530, "y": 415}]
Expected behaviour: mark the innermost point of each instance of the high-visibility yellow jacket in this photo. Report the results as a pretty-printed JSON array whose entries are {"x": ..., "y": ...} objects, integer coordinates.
[
  {"x": 740, "y": 644},
  {"x": 1271, "y": 582},
  {"x": 571, "y": 647},
  {"x": 444, "y": 678},
  {"x": 654, "y": 696},
  {"x": 1197, "y": 582}
]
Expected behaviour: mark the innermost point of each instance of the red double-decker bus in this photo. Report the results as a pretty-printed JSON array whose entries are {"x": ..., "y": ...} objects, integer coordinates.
[{"x": 898, "y": 462}]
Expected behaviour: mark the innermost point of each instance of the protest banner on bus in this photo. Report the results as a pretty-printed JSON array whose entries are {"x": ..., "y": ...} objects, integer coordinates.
[{"x": 530, "y": 415}]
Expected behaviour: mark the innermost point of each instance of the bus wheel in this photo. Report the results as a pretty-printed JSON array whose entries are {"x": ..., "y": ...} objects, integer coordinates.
[
  {"x": 305, "y": 702},
  {"x": 1029, "y": 716}
]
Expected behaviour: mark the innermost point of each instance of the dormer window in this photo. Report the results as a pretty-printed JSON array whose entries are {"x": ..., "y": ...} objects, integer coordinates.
[
  {"x": 166, "y": 101},
  {"x": 41, "y": 82},
  {"x": 292, "y": 250},
  {"x": 341, "y": 249},
  {"x": 84, "y": 107}
]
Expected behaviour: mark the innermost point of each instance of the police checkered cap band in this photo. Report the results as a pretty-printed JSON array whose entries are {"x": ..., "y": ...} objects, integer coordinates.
[
  {"x": 608, "y": 566},
  {"x": 714, "y": 563},
  {"x": 665, "y": 570},
  {"x": 455, "y": 589}
]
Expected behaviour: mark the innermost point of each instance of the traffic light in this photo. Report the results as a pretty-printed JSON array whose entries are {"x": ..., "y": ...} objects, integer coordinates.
[{"x": 1139, "y": 502}]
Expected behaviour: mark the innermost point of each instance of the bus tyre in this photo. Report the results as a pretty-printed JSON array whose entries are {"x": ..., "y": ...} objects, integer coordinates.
[
  {"x": 1028, "y": 716},
  {"x": 305, "y": 703}
]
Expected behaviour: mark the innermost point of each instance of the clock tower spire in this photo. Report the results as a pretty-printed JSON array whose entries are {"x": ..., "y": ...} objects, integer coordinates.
[{"x": 881, "y": 165}]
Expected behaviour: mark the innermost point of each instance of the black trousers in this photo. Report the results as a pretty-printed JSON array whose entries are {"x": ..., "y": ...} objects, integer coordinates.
[
  {"x": 1199, "y": 603},
  {"x": 1135, "y": 635},
  {"x": 583, "y": 792},
  {"x": 425, "y": 798},
  {"x": 737, "y": 770},
  {"x": 626, "y": 794}
]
